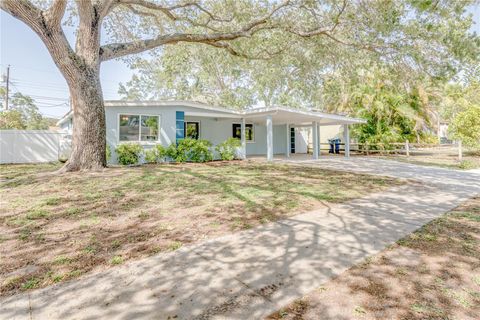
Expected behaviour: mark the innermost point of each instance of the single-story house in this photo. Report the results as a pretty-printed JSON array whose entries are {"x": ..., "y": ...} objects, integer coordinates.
[{"x": 262, "y": 131}]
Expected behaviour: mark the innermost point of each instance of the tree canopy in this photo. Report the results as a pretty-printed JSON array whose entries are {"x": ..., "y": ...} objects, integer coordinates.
[
  {"x": 22, "y": 114},
  {"x": 461, "y": 107},
  {"x": 414, "y": 38},
  {"x": 387, "y": 59}
]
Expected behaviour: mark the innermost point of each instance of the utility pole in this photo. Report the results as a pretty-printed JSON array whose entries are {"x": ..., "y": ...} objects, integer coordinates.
[{"x": 7, "y": 80}]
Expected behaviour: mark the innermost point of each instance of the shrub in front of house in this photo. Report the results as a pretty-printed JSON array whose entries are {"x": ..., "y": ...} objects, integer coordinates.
[
  {"x": 171, "y": 152},
  {"x": 228, "y": 148},
  {"x": 187, "y": 150},
  {"x": 129, "y": 153},
  {"x": 156, "y": 154},
  {"x": 151, "y": 156},
  {"x": 194, "y": 150}
]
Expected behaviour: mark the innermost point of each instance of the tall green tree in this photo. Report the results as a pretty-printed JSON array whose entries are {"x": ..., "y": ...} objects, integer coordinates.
[
  {"x": 410, "y": 50},
  {"x": 416, "y": 40},
  {"x": 393, "y": 113},
  {"x": 461, "y": 107},
  {"x": 131, "y": 27},
  {"x": 22, "y": 114},
  {"x": 466, "y": 126}
]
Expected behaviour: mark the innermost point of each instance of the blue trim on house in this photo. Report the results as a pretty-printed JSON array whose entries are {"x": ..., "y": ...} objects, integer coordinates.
[{"x": 180, "y": 126}]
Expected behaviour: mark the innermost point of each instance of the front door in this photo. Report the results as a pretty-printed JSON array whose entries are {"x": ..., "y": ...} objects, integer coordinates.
[{"x": 292, "y": 140}]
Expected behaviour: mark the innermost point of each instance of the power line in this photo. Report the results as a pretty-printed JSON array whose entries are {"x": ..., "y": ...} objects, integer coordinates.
[
  {"x": 48, "y": 98},
  {"x": 51, "y": 115},
  {"x": 43, "y": 82},
  {"x": 30, "y": 68},
  {"x": 50, "y": 72},
  {"x": 62, "y": 105},
  {"x": 50, "y": 101},
  {"x": 27, "y": 87},
  {"x": 55, "y": 88},
  {"x": 41, "y": 100}
]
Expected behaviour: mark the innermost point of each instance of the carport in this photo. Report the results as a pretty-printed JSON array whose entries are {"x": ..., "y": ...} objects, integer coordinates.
[{"x": 293, "y": 118}]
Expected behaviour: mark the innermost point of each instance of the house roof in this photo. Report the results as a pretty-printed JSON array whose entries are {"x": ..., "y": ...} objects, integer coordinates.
[
  {"x": 280, "y": 114},
  {"x": 65, "y": 118},
  {"x": 160, "y": 103}
]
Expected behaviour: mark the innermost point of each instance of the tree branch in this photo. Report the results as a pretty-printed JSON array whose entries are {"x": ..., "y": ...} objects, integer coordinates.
[
  {"x": 329, "y": 32},
  {"x": 168, "y": 11},
  {"x": 47, "y": 25},
  {"x": 193, "y": 23},
  {"x": 264, "y": 54},
  {"x": 105, "y": 7},
  {"x": 116, "y": 50},
  {"x": 26, "y": 12},
  {"x": 153, "y": 6},
  {"x": 143, "y": 13},
  {"x": 55, "y": 13}
]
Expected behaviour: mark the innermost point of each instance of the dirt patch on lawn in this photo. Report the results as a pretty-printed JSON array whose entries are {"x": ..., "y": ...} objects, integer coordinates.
[
  {"x": 432, "y": 274},
  {"x": 470, "y": 160},
  {"x": 55, "y": 227}
]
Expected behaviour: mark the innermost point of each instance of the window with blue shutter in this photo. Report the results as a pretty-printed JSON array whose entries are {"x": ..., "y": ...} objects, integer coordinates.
[{"x": 180, "y": 129}]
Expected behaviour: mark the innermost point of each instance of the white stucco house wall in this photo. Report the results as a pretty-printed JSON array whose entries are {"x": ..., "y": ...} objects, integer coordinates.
[{"x": 265, "y": 131}]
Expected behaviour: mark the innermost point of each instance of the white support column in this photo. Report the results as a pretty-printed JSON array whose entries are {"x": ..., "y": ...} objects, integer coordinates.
[
  {"x": 315, "y": 139},
  {"x": 287, "y": 152},
  {"x": 243, "y": 139},
  {"x": 318, "y": 140},
  {"x": 346, "y": 139},
  {"x": 269, "y": 138}
]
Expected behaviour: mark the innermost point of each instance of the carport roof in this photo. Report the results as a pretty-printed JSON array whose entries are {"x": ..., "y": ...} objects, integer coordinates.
[
  {"x": 284, "y": 115},
  {"x": 279, "y": 114}
]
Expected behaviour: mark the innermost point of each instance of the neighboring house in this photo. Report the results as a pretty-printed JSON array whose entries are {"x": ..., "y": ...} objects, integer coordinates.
[
  {"x": 265, "y": 131},
  {"x": 66, "y": 122}
]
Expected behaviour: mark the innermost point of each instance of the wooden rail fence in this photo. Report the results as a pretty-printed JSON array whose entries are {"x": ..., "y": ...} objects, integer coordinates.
[{"x": 404, "y": 148}]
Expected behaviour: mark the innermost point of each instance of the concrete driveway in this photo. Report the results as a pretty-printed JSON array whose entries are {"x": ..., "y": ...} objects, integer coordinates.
[
  {"x": 368, "y": 165},
  {"x": 250, "y": 274}
]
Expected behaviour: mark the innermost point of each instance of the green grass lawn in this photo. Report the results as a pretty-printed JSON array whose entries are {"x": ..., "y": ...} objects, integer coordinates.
[
  {"x": 56, "y": 227},
  {"x": 470, "y": 160}
]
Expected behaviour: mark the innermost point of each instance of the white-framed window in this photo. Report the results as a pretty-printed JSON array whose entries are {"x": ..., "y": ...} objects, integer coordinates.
[
  {"x": 134, "y": 127},
  {"x": 249, "y": 131}
]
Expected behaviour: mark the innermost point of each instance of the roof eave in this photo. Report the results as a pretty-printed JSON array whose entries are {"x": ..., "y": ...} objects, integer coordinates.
[{"x": 63, "y": 119}]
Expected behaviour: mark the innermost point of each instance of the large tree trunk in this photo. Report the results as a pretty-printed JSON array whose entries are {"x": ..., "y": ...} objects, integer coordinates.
[
  {"x": 81, "y": 68},
  {"x": 88, "y": 143}
]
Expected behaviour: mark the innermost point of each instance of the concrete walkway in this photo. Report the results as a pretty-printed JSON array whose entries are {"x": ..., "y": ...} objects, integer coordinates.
[{"x": 250, "y": 274}]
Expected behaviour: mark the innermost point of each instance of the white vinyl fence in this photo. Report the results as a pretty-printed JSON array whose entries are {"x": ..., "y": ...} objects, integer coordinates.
[{"x": 32, "y": 146}]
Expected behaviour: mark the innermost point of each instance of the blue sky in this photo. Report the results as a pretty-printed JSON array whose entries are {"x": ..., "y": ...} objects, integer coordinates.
[{"x": 33, "y": 72}]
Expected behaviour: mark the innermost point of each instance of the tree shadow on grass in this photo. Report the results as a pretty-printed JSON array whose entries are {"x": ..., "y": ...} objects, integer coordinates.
[{"x": 429, "y": 275}]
